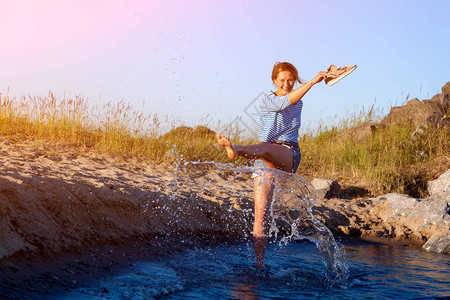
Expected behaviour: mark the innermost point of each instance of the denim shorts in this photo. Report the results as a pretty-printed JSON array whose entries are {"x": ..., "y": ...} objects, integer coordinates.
[
  {"x": 259, "y": 163},
  {"x": 297, "y": 158}
]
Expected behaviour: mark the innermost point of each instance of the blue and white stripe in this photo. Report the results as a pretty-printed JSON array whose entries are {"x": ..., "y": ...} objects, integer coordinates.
[{"x": 279, "y": 120}]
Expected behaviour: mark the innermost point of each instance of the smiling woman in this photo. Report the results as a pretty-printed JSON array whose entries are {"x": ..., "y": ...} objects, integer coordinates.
[
  {"x": 278, "y": 148},
  {"x": 284, "y": 76}
]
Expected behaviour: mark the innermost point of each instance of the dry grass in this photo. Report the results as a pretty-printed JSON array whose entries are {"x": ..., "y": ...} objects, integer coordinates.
[
  {"x": 115, "y": 129},
  {"x": 382, "y": 161},
  {"x": 388, "y": 160}
]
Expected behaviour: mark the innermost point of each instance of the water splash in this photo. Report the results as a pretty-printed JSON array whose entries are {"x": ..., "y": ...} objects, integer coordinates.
[
  {"x": 291, "y": 211},
  {"x": 293, "y": 220},
  {"x": 224, "y": 193}
]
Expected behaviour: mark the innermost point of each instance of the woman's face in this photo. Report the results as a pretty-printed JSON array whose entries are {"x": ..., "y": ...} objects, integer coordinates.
[{"x": 285, "y": 82}]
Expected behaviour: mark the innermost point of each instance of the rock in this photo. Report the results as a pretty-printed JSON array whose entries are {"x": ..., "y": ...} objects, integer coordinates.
[
  {"x": 432, "y": 121},
  {"x": 413, "y": 101},
  {"x": 442, "y": 99},
  {"x": 359, "y": 132},
  {"x": 415, "y": 112},
  {"x": 446, "y": 89},
  {"x": 404, "y": 217},
  {"x": 431, "y": 211},
  {"x": 440, "y": 185},
  {"x": 434, "y": 106},
  {"x": 438, "y": 244},
  {"x": 326, "y": 188},
  {"x": 189, "y": 132}
]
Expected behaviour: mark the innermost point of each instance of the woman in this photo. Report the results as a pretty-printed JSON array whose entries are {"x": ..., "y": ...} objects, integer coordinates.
[{"x": 278, "y": 147}]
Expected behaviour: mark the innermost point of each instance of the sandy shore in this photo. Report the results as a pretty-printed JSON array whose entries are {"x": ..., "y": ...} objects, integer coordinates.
[{"x": 53, "y": 199}]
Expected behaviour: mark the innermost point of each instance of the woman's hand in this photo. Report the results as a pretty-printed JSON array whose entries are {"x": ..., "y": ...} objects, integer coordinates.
[{"x": 319, "y": 77}]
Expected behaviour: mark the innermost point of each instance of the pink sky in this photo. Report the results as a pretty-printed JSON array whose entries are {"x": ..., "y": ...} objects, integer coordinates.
[
  {"x": 212, "y": 57},
  {"x": 43, "y": 27}
]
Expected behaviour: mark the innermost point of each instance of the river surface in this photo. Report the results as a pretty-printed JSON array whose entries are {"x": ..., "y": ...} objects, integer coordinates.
[{"x": 293, "y": 271}]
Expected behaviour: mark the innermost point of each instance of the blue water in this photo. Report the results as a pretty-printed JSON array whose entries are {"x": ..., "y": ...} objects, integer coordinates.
[{"x": 293, "y": 271}]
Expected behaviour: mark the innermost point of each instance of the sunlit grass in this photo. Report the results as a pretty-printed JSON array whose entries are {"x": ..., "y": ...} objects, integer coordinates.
[
  {"x": 116, "y": 129},
  {"x": 381, "y": 160}
]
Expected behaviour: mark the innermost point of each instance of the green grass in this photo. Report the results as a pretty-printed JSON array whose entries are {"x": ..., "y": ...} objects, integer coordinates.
[{"x": 385, "y": 160}]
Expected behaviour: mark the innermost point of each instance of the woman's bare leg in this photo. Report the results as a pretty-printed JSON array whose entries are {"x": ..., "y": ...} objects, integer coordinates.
[
  {"x": 263, "y": 192},
  {"x": 275, "y": 156}
]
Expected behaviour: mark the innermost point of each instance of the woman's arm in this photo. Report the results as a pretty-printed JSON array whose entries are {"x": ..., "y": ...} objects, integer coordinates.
[{"x": 299, "y": 92}]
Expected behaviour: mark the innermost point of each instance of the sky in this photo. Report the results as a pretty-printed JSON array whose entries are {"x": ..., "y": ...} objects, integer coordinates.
[{"x": 203, "y": 62}]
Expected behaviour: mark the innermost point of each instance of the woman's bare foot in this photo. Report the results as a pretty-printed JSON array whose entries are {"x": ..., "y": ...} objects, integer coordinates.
[{"x": 225, "y": 142}]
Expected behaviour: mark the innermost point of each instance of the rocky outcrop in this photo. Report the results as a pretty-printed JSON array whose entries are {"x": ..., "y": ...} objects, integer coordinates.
[
  {"x": 395, "y": 216},
  {"x": 425, "y": 114},
  {"x": 440, "y": 189},
  {"x": 439, "y": 245},
  {"x": 434, "y": 121},
  {"x": 414, "y": 111},
  {"x": 359, "y": 132},
  {"x": 417, "y": 112},
  {"x": 440, "y": 185}
]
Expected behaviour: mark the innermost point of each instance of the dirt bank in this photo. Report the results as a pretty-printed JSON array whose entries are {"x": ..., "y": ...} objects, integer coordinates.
[{"x": 52, "y": 199}]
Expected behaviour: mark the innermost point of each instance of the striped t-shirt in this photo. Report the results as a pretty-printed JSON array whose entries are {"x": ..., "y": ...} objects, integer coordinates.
[{"x": 279, "y": 120}]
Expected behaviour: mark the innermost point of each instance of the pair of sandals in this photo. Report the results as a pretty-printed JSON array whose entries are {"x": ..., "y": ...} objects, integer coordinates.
[{"x": 334, "y": 74}]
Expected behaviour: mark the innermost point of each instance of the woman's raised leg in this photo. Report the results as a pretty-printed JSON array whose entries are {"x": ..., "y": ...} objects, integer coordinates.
[{"x": 275, "y": 156}]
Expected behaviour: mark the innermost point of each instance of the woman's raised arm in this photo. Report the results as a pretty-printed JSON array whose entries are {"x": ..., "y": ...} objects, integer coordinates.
[{"x": 299, "y": 92}]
